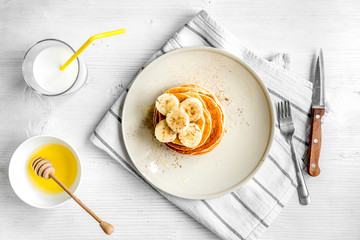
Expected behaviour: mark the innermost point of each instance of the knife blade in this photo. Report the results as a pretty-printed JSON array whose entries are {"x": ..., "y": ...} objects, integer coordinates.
[{"x": 317, "y": 112}]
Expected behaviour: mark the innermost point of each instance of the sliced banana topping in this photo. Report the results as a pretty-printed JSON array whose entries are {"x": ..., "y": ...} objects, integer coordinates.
[
  {"x": 166, "y": 102},
  {"x": 191, "y": 136},
  {"x": 163, "y": 133},
  {"x": 177, "y": 120},
  {"x": 193, "y": 107}
]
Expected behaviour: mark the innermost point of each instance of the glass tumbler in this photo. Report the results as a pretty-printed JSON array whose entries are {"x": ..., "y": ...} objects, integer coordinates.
[{"x": 41, "y": 68}]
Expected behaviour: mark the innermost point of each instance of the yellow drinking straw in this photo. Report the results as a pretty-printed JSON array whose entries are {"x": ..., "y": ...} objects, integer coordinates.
[{"x": 87, "y": 43}]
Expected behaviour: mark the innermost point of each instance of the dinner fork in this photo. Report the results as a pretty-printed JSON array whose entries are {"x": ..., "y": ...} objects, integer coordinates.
[{"x": 287, "y": 129}]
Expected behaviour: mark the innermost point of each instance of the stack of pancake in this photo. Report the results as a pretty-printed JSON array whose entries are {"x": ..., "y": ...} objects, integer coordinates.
[{"x": 195, "y": 135}]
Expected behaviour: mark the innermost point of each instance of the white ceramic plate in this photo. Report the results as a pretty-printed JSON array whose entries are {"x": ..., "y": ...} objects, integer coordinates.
[{"x": 249, "y": 123}]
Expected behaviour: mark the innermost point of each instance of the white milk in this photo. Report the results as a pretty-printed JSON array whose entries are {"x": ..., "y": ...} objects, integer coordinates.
[{"x": 47, "y": 73}]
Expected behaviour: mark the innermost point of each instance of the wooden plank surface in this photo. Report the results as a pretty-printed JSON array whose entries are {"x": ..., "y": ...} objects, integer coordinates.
[{"x": 267, "y": 27}]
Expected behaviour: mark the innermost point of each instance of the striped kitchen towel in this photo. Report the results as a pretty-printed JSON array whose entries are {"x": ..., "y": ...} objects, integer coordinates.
[{"x": 246, "y": 212}]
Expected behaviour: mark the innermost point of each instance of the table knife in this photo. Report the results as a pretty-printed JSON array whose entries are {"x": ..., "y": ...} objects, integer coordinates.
[{"x": 317, "y": 112}]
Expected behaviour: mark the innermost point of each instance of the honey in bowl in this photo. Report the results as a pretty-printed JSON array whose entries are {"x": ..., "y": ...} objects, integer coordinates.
[{"x": 64, "y": 162}]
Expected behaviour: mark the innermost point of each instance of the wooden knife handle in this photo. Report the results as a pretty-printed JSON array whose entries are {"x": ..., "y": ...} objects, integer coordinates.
[{"x": 315, "y": 141}]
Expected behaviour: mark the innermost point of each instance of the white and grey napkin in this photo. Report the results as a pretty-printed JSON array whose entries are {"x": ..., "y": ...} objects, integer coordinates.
[{"x": 248, "y": 211}]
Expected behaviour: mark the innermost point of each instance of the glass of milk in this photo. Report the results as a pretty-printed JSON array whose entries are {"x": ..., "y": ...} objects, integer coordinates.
[{"x": 41, "y": 68}]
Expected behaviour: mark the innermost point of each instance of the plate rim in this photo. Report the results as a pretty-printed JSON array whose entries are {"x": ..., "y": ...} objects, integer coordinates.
[{"x": 270, "y": 107}]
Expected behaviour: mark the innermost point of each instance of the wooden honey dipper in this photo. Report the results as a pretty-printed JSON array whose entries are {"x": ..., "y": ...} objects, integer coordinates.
[{"x": 45, "y": 169}]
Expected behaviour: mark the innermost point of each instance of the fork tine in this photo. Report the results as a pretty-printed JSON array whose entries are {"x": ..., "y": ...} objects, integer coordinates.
[
  {"x": 278, "y": 110},
  {"x": 289, "y": 109},
  {"x": 282, "y": 109}
]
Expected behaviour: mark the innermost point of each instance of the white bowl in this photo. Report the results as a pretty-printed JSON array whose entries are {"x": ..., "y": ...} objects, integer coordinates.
[{"x": 21, "y": 183}]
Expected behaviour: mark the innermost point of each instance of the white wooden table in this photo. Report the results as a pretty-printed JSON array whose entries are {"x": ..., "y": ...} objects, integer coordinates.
[{"x": 296, "y": 27}]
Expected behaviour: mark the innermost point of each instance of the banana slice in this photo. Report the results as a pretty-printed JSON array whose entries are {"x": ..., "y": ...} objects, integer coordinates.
[
  {"x": 191, "y": 136},
  {"x": 177, "y": 120},
  {"x": 166, "y": 102},
  {"x": 193, "y": 107},
  {"x": 163, "y": 133}
]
